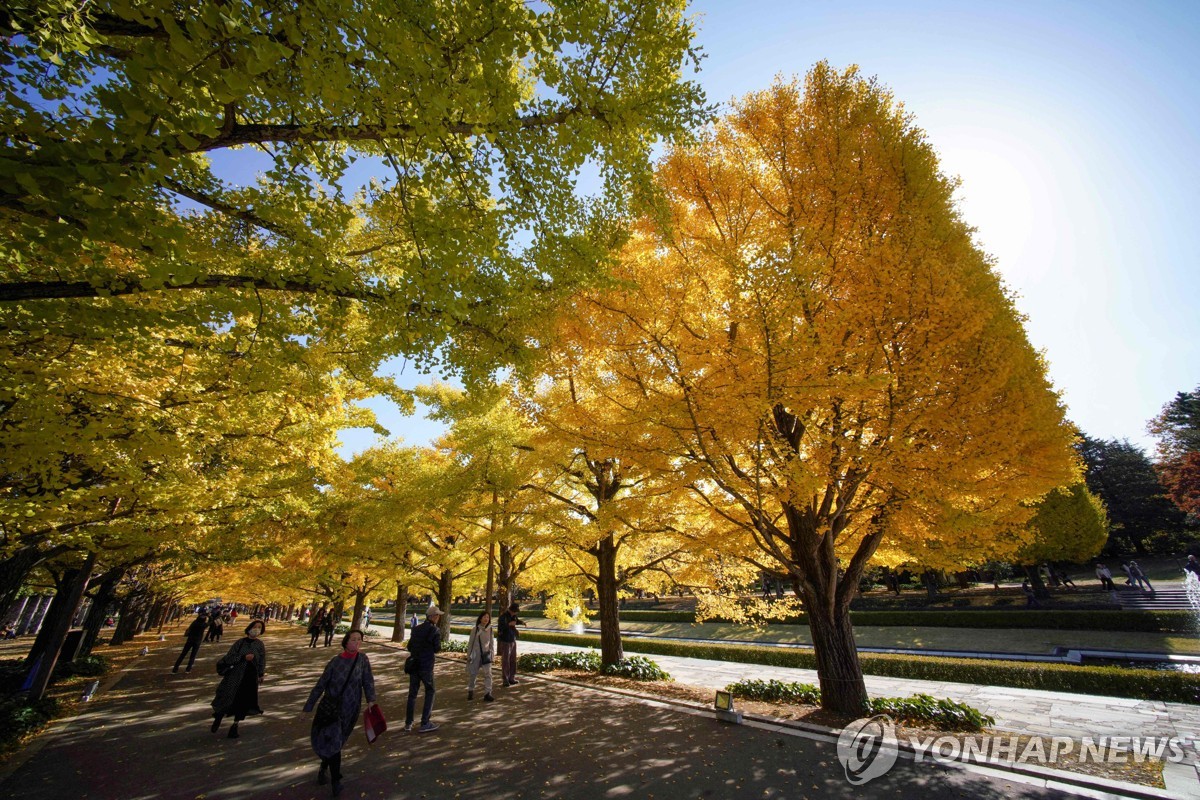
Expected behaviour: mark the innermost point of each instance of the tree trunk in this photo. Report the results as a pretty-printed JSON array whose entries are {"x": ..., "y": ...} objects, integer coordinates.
[
  {"x": 505, "y": 578},
  {"x": 339, "y": 608},
  {"x": 360, "y": 603},
  {"x": 606, "y": 592},
  {"x": 445, "y": 588},
  {"x": 930, "y": 579},
  {"x": 491, "y": 578},
  {"x": 16, "y": 568},
  {"x": 127, "y": 622},
  {"x": 105, "y": 593},
  {"x": 15, "y": 611},
  {"x": 401, "y": 611},
  {"x": 55, "y": 611},
  {"x": 34, "y": 623},
  {"x": 61, "y": 626},
  {"x": 1035, "y": 580},
  {"x": 838, "y": 670}
]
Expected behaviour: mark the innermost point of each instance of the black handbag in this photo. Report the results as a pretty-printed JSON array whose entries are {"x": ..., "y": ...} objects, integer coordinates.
[
  {"x": 327, "y": 709},
  {"x": 410, "y": 665}
]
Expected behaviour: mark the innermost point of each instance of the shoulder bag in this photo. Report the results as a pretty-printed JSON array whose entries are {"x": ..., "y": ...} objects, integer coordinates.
[{"x": 327, "y": 709}]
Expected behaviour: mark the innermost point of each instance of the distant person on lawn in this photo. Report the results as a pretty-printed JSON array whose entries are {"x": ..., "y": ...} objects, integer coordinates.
[
  {"x": 1106, "y": 581},
  {"x": 1192, "y": 566},
  {"x": 1140, "y": 577}
]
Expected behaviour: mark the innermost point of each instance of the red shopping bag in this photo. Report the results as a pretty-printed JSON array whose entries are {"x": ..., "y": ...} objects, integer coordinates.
[{"x": 374, "y": 723}]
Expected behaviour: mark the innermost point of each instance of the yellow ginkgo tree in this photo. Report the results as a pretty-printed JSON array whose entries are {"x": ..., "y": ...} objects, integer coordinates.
[{"x": 809, "y": 337}]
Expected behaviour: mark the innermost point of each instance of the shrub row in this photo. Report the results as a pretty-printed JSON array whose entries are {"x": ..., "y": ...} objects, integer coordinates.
[
  {"x": 1141, "y": 621},
  {"x": 1140, "y": 684},
  {"x": 918, "y": 709},
  {"x": 638, "y": 668}
]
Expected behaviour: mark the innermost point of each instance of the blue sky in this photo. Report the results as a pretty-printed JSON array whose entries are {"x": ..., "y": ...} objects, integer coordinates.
[{"x": 1075, "y": 128}]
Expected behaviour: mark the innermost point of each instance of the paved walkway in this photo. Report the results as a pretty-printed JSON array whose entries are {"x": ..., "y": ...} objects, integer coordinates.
[
  {"x": 1015, "y": 710},
  {"x": 147, "y": 738}
]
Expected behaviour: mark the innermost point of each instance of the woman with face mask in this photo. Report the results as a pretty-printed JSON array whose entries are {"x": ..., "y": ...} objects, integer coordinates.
[
  {"x": 347, "y": 677},
  {"x": 243, "y": 669}
]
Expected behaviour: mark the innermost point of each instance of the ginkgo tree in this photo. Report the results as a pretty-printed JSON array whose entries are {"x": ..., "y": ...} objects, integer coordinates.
[{"x": 810, "y": 338}]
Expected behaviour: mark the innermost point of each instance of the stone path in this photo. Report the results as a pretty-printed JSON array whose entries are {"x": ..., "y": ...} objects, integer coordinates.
[{"x": 147, "y": 738}]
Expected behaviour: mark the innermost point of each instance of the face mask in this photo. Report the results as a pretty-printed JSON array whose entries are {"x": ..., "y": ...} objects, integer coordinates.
[{"x": 253, "y": 634}]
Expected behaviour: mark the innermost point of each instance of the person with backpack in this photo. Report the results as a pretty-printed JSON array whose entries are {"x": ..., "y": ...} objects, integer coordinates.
[
  {"x": 193, "y": 636},
  {"x": 481, "y": 650},
  {"x": 425, "y": 642},
  {"x": 340, "y": 689}
]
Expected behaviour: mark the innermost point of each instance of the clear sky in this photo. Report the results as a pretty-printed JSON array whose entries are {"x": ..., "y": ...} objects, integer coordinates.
[{"x": 1075, "y": 129}]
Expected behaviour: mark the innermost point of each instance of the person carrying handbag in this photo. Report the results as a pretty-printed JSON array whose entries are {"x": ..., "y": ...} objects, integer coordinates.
[
  {"x": 337, "y": 698},
  {"x": 481, "y": 651}
]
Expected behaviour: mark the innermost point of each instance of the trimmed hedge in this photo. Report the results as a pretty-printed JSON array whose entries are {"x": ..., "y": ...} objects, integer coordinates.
[
  {"x": 638, "y": 668},
  {"x": 917, "y": 709},
  {"x": 1139, "y": 684}
]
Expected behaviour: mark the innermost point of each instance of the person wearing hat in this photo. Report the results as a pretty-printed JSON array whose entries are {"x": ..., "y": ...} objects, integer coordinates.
[
  {"x": 425, "y": 642},
  {"x": 192, "y": 638}
]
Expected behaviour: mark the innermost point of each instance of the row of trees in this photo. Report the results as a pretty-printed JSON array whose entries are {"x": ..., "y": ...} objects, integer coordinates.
[{"x": 779, "y": 350}]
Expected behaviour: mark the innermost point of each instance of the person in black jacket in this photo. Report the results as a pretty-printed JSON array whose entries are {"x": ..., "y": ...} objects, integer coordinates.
[
  {"x": 192, "y": 638},
  {"x": 426, "y": 640},
  {"x": 327, "y": 627}
]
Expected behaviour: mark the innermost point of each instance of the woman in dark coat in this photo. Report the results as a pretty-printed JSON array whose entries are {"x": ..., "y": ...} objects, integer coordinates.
[
  {"x": 327, "y": 627},
  {"x": 245, "y": 665},
  {"x": 347, "y": 677},
  {"x": 314, "y": 630}
]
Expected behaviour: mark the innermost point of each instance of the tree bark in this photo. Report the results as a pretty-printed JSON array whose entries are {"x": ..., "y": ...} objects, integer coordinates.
[
  {"x": 839, "y": 671},
  {"x": 491, "y": 578},
  {"x": 55, "y": 612},
  {"x": 360, "y": 603},
  {"x": 15, "y": 611},
  {"x": 106, "y": 592},
  {"x": 1035, "y": 580},
  {"x": 445, "y": 598},
  {"x": 60, "y": 627},
  {"x": 505, "y": 579},
  {"x": 401, "y": 612},
  {"x": 611, "y": 651},
  {"x": 16, "y": 568}
]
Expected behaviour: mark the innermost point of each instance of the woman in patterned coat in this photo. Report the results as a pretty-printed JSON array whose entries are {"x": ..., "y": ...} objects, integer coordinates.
[
  {"x": 245, "y": 666},
  {"x": 347, "y": 677}
]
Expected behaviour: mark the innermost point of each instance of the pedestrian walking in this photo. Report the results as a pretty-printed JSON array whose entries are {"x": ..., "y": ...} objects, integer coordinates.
[
  {"x": 314, "y": 630},
  {"x": 481, "y": 650},
  {"x": 327, "y": 627},
  {"x": 192, "y": 638},
  {"x": 1105, "y": 576},
  {"x": 425, "y": 642},
  {"x": 347, "y": 677},
  {"x": 243, "y": 669},
  {"x": 1192, "y": 566},
  {"x": 1139, "y": 577},
  {"x": 216, "y": 628},
  {"x": 507, "y": 638}
]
